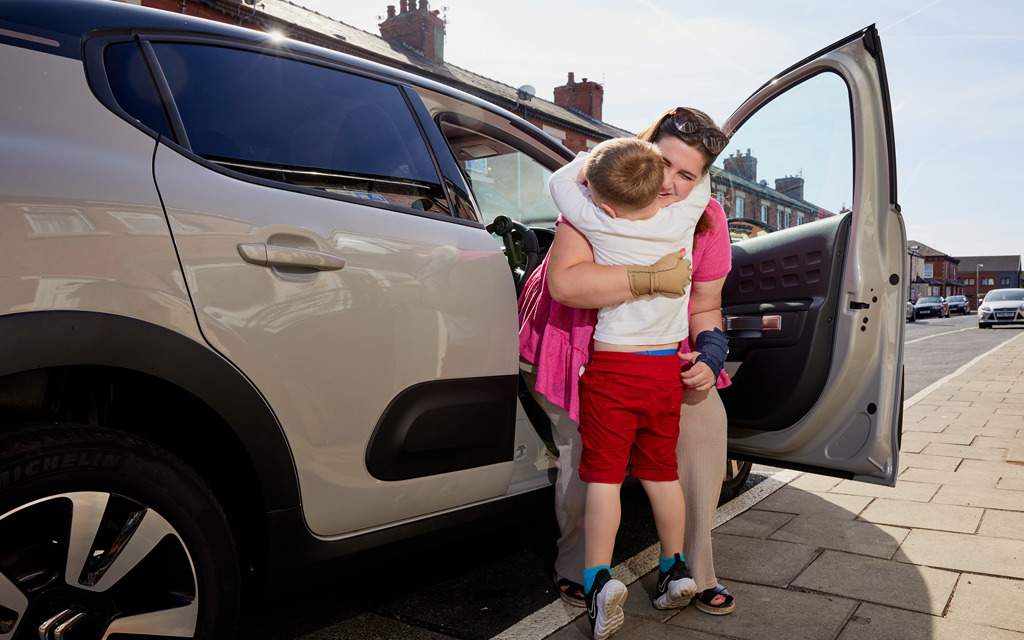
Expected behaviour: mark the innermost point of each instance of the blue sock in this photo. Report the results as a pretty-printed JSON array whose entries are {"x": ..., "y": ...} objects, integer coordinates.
[
  {"x": 664, "y": 564},
  {"x": 590, "y": 574}
]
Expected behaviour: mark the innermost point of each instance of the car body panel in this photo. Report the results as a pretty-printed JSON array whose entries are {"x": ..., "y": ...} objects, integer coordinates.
[
  {"x": 1002, "y": 306},
  {"x": 958, "y": 304},
  {"x": 58, "y": 196},
  {"x": 931, "y": 306},
  {"x": 843, "y": 308}
]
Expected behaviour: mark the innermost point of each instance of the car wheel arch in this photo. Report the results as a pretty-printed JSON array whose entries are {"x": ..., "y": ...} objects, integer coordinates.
[{"x": 63, "y": 358}]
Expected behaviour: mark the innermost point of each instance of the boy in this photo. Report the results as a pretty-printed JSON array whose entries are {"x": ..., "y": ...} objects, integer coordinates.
[{"x": 631, "y": 390}]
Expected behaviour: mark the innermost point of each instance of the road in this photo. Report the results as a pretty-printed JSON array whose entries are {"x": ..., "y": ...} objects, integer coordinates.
[{"x": 476, "y": 584}]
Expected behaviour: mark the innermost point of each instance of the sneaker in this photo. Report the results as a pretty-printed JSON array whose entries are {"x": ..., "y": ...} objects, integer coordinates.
[
  {"x": 675, "y": 588},
  {"x": 604, "y": 605}
]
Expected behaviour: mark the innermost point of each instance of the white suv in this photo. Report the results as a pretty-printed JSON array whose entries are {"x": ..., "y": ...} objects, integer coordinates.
[{"x": 253, "y": 317}]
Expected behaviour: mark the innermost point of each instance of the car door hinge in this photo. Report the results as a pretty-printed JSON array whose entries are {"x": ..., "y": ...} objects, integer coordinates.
[{"x": 859, "y": 305}]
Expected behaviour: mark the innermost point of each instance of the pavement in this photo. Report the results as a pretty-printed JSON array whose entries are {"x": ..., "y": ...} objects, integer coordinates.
[{"x": 940, "y": 555}]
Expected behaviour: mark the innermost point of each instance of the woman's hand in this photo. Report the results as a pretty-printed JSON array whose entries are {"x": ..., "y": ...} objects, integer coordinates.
[
  {"x": 698, "y": 376},
  {"x": 669, "y": 276}
]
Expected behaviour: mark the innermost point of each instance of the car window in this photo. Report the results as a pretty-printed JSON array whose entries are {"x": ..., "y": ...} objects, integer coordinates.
[
  {"x": 133, "y": 87},
  {"x": 996, "y": 296},
  {"x": 791, "y": 163},
  {"x": 931, "y": 299},
  {"x": 299, "y": 123},
  {"x": 505, "y": 180}
]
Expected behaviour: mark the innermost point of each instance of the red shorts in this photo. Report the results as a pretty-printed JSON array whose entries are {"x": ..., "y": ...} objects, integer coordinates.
[{"x": 629, "y": 406}]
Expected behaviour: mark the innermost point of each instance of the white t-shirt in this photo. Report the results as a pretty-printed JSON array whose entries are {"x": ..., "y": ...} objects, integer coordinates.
[{"x": 648, "y": 319}]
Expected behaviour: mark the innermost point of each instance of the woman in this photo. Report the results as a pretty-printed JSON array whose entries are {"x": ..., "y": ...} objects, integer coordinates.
[{"x": 555, "y": 332}]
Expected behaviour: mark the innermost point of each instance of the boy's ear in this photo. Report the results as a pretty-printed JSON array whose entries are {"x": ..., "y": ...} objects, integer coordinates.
[{"x": 609, "y": 209}]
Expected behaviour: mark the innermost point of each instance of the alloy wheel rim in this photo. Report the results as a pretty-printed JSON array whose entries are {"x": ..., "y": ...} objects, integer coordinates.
[{"x": 89, "y": 564}]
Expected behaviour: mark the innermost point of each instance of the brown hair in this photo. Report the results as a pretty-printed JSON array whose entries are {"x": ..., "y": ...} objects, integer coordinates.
[
  {"x": 626, "y": 172},
  {"x": 663, "y": 127}
]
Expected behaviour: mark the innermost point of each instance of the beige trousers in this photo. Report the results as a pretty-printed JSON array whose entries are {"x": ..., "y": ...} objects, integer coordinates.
[{"x": 701, "y": 455}]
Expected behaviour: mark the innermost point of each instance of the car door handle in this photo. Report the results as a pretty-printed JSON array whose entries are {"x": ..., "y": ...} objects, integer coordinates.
[{"x": 269, "y": 255}]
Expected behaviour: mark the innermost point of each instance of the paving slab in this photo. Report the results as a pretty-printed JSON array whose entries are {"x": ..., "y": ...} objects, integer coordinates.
[
  {"x": 990, "y": 498},
  {"x": 634, "y": 628},
  {"x": 1002, "y": 524},
  {"x": 963, "y": 552},
  {"x": 998, "y": 442},
  {"x": 875, "y": 622},
  {"x": 992, "y": 601},
  {"x": 767, "y": 613},
  {"x": 789, "y": 500},
  {"x": 913, "y": 491},
  {"x": 815, "y": 482},
  {"x": 961, "y": 451},
  {"x": 858, "y": 577},
  {"x": 767, "y": 562},
  {"x": 912, "y": 439},
  {"x": 1006, "y": 469},
  {"x": 865, "y": 538},
  {"x": 922, "y": 461},
  {"x": 1011, "y": 484},
  {"x": 755, "y": 523},
  {"x": 962, "y": 478},
  {"x": 918, "y": 515}
]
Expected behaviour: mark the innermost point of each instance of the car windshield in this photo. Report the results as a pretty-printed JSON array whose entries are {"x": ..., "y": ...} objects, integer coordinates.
[
  {"x": 955, "y": 299},
  {"x": 929, "y": 299},
  {"x": 1006, "y": 294}
]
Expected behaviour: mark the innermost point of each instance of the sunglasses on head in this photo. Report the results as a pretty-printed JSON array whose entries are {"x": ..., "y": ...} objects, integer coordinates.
[{"x": 687, "y": 122}]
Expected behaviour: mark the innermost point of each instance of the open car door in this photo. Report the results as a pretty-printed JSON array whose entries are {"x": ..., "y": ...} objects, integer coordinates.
[{"x": 815, "y": 311}]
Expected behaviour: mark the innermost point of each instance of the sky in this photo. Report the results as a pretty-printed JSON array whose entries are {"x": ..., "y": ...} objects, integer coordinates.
[{"x": 955, "y": 70}]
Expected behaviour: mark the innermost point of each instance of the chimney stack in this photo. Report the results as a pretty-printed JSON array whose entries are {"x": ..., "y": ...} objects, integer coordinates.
[
  {"x": 415, "y": 27},
  {"x": 584, "y": 96}
]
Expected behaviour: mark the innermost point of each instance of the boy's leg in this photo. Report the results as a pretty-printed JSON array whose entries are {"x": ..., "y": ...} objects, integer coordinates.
[
  {"x": 675, "y": 586},
  {"x": 669, "y": 514},
  {"x": 601, "y": 523}
]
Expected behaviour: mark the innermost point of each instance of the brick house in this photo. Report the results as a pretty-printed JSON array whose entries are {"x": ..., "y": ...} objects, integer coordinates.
[
  {"x": 940, "y": 275},
  {"x": 981, "y": 274}
]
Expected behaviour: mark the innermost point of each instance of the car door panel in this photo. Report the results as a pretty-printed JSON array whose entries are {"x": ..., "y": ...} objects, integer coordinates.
[
  {"x": 784, "y": 323},
  {"x": 824, "y": 392},
  {"x": 325, "y": 261}
]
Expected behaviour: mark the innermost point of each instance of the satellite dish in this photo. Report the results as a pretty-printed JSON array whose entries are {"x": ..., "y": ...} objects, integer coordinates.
[{"x": 525, "y": 93}]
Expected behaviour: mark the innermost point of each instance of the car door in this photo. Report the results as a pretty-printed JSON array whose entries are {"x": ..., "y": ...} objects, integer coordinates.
[
  {"x": 814, "y": 311},
  {"x": 330, "y": 263}
]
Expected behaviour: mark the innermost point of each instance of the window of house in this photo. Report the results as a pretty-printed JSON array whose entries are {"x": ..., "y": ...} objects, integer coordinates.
[
  {"x": 988, "y": 282},
  {"x": 739, "y": 207},
  {"x": 786, "y": 221},
  {"x": 799, "y": 219},
  {"x": 969, "y": 281},
  {"x": 928, "y": 270},
  {"x": 301, "y": 124},
  {"x": 764, "y": 213},
  {"x": 1004, "y": 282}
]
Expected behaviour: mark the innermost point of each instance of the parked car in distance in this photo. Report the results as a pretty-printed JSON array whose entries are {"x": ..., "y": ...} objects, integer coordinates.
[
  {"x": 931, "y": 307},
  {"x": 1001, "y": 306},
  {"x": 910, "y": 315},
  {"x": 958, "y": 304}
]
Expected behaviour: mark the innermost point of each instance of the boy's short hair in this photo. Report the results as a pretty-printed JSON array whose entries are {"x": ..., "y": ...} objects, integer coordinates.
[{"x": 626, "y": 172}]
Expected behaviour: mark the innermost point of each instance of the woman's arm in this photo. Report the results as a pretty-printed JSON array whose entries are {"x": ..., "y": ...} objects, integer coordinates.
[
  {"x": 576, "y": 281},
  {"x": 705, "y": 315}
]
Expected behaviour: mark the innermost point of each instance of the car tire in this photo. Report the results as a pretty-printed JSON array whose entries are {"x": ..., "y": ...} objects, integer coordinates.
[
  {"x": 912, "y": 318},
  {"x": 736, "y": 473},
  {"x": 983, "y": 325},
  {"x": 151, "y": 546}
]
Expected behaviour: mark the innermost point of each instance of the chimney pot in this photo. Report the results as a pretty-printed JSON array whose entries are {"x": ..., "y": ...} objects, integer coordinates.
[
  {"x": 403, "y": 5},
  {"x": 572, "y": 78},
  {"x": 391, "y": 11}
]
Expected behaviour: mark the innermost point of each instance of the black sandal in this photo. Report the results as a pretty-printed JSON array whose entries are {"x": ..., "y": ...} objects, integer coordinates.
[
  {"x": 704, "y": 599},
  {"x": 571, "y": 592}
]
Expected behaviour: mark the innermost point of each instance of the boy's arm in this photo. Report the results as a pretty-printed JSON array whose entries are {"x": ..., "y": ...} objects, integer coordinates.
[{"x": 567, "y": 192}]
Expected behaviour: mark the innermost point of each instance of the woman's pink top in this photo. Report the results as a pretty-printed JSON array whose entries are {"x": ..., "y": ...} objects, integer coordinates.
[{"x": 558, "y": 339}]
